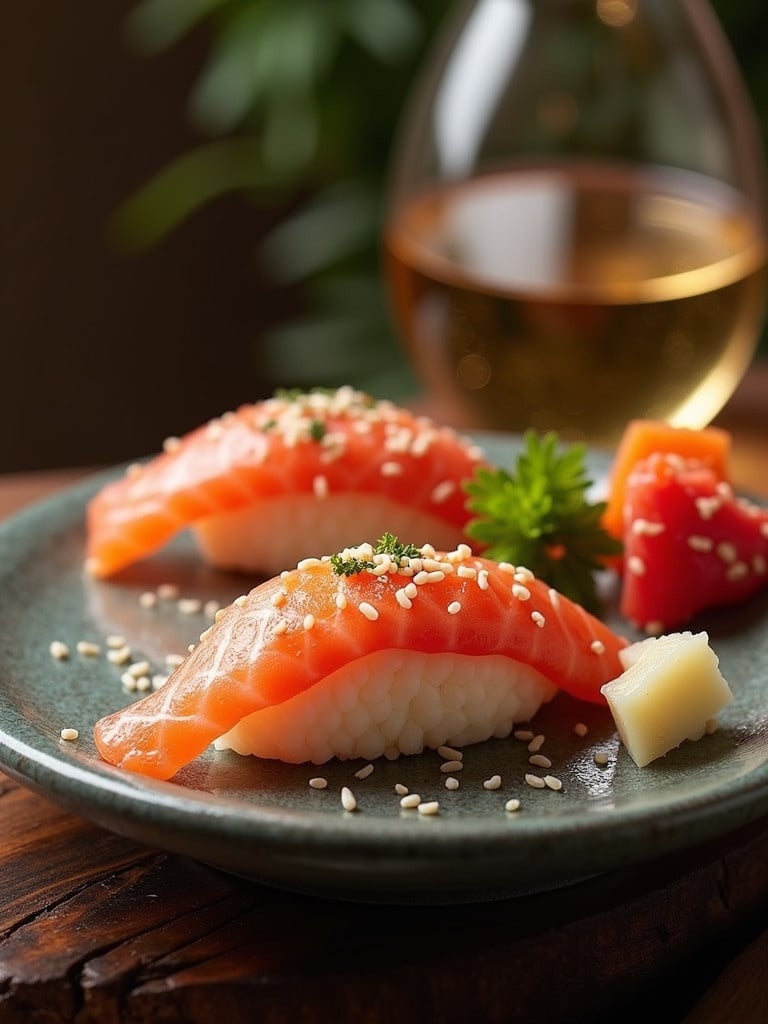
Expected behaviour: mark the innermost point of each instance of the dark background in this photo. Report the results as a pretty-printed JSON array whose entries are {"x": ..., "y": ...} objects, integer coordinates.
[{"x": 105, "y": 353}]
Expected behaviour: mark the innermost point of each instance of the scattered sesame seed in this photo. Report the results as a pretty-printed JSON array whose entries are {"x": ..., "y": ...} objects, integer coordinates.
[
  {"x": 341, "y": 601},
  {"x": 482, "y": 579},
  {"x": 647, "y": 528},
  {"x": 636, "y": 565},
  {"x": 536, "y": 744},
  {"x": 158, "y": 680},
  {"x": 597, "y": 646},
  {"x": 454, "y": 607},
  {"x": 601, "y": 757},
  {"x": 442, "y": 491},
  {"x": 318, "y": 783},
  {"x": 138, "y": 668},
  {"x": 698, "y": 543},
  {"x": 523, "y": 734},
  {"x": 493, "y": 783},
  {"x": 520, "y": 592},
  {"x": 539, "y": 619},
  {"x": 171, "y": 444},
  {"x": 168, "y": 591},
  {"x": 364, "y": 772},
  {"x": 552, "y": 782},
  {"x": 451, "y": 782},
  {"x": 391, "y": 468},
  {"x": 308, "y": 563},
  {"x": 128, "y": 681},
  {"x": 410, "y": 801},
  {"x": 309, "y": 622},
  {"x": 320, "y": 486},
  {"x": 450, "y": 753},
  {"x": 540, "y": 761},
  {"x": 402, "y": 599},
  {"x": 512, "y": 805},
  {"x": 115, "y": 640},
  {"x": 451, "y": 766},
  {"x": 368, "y": 611},
  {"x": 707, "y": 507},
  {"x": 241, "y": 601},
  {"x": 727, "y": 551},
  {"x": 467, "y": 572},
  {"x": 737, "y": 571},
  {"x": 279, "y": 598},
  {"x": 119, "y": 656},
  {"x": 400, "y": 789},
  {"x": 281, "y": 626},
  {"x": 580, "y": 729},
  {"x": 211, "y": 609},
  {"x": 348, "y": 801},
  {"x": 88, "y": 649},
  {"x": 69, "y": 734},
  {"x": 58, "y": 650},
  {"x": 173, "y": 660},
  {"x": 143, "y": 683},
  {"x": 429, "y": 808},
  {"x": 189, "y": 605},
  {"x": 534, "y": 780}
]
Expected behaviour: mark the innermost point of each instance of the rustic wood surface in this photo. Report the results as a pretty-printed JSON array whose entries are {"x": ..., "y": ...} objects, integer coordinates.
[{"x": 96, "y": 929}]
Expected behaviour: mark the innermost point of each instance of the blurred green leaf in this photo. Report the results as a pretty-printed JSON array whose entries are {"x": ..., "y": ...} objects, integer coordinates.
[
  {"x": 157, "y": 24},
  {"x": 387, "y": 29}
]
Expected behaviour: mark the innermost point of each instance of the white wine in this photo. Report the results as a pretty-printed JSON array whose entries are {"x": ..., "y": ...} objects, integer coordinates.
[{"x": 579, "y": 297}]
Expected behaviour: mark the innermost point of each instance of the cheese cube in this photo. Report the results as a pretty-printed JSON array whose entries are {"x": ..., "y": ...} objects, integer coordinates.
[{"x": 670, "y": 688}]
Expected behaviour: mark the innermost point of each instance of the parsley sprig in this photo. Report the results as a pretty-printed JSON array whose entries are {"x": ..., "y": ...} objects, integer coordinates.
[
  {"x": 387, "y": 544},
  {"x": 539, "y": 516}
]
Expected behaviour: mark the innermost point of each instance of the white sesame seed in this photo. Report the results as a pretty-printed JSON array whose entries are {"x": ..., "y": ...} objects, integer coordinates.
[
  {"x": 168, "y": 591},
  {"x": 737, "y": 571},
  {"x": 341, "y": 601},
  {"x": 597, "y": 646},
  {"x": 451, "y": 766},
  {"x": 128, "y": 681},
  {"x": 171, "y": 444},
  {"x": 391, "y": 468},
  {"x": 482, "y": 579},
  {"x": 138, "y": 668},
  {"x": 308, "y": 563},
  {"x": 442, "y": 491},
  {"x": 727, "y": 551},
  {"x": 644, "y": 527},
  {"x": 69, "y": 734},
  {"x": 512, "y": 805},
  {"x": 707, "y": 506},
  {"x": 698, "y": 543},
  {"x": 520, "y": 592},
  {"x": 281, "y": 626},
  {"x": 143, "y": 683},
  {"x": 158, "y": 681},
  {"x": 467, "y": 572},
  {"x": 318, "y": 783},
  {"x": 580, "y": 729},
  {"x": 189, "y": 605},
  {"x": 279, "y": 598},
  {"x": 552, "y": 782},
  {"x": 454, "y": 608},
  {"x": 58, "y": 650},
  {"x": 539, "y": 619},
  {"x": 400, "y": 789},
  {"x": 115, "y": 640},
  {"x": 173, "y": 660},
  {"x": 88, "y": 649},
  {"x": 368, "y": 611},
  {"x": 410, "y": 801},
  {"x": 210, "y": 608},
  {"x": 402, "y": 599},
  {"x": 540, "y": 761},
  {"x": 493, "y": 783},
  {"x": 601, "y": 757},
  {"x": 450, "y": 753},
  {"x": 451, "y": 782},
  {"x": 411, "y": 590},
  {"x": 429, "y": 808},
  {"x": 348, "y": 801},
  {"x": 320, "y": 486},
  {"x": 364, "y": 772},
  {"x": 636, "y": 565},
  {"x": 536, "y": 744},
  {"x": 309, "y": 622},
  {"x": 534, "y": 780},
  {"x": 523, "y": 734},
  {"x": 119, "y": 656}
]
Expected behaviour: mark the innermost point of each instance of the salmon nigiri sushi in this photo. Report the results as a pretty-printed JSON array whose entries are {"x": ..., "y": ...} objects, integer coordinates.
[
  {"x": 253, "y": 482},
  {"x": 376, "y": 651}
]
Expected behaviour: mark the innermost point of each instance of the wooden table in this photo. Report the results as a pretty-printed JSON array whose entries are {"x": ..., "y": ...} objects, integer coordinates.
[{"x": 96, "y": 928}]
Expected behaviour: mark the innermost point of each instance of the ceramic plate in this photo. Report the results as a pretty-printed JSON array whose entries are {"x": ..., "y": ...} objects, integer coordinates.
[{"x": 261, "y": 820}]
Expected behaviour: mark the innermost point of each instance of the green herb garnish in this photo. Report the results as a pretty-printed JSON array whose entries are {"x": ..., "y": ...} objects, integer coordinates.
[
  {"x": 387, "y": 544},
  {"x": 539, "y": 516},
  {"x": 317, "y": 430}
]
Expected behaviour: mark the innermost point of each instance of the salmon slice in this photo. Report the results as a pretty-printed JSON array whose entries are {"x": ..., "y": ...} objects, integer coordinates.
[
  {"x": 312, "y": 630},
  {"x": 250, "y": 483}
]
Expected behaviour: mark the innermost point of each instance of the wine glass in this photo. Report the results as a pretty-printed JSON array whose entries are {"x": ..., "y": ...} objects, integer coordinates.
[{"x": 576, "y": 228}]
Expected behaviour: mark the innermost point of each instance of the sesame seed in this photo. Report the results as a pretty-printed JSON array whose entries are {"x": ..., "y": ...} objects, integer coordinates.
[
  {"x": 391, "y": 468},
  {"x": 173, "y": 660},
  {"x": 318, "y": 783},
  {"x": 636, "y": 565},
  {"x": 168, "y": 591},
  {"x": 759, "y": 565},
  {"x": 58, "y": 650},
  {"x": 410, "y": 801},
  {"x": 580, "y": 729},
  {"x": 281, "y": 626},
  {"x": 698, "y": 543},
  {"x": 554, "y": 598},
  {"x": 368, "y": 611},
  {"x": 411, "y": 590},
  {"x": 482, "y": 579},
  {"x": 601, "y": 757},
  {"x": 737, "y": 571},
  {"x": 523, "y": 734},
  {"x": 138, "y": 668},
  {"x": 171, "y": 444},
  {"x": 552, "y": 782},
  {"x": 493, "y": 783},
  {"x": 644, "y": 527},
  {"x": 539, "y": 619},
  {"x": 454, "y": 608},
  {"x": 597, "y": 646},
  {"x": 279, "y": 598},
  {"x": 341, "y": 601},
  {"x": 429, "y": 808},
  {"x": 450, "y": 753},
  {"x": 210, "y": 609},
  {"x": 128, "y": 681},
  {"x": 512, "y": 805},
  {"x": 442, "y": 491},
  {"x": 540, "y": 761},
  {"x": 115, "y": 640},
  {"x": 707, "y": 507},
  {"x": 348, "y": 801},
  {"x": 309, "y": 621},
  {"x": 451, "y": 766},
  {"x": 467, "y": 572},
  {"x": 364, "y": 772},
  {"x": 119, "y": 656},
  {"x": 189, "y": 605},
  {"x": 402, "y": 599},
  {"x": 536, "y": 744},
  {"x": 400, "y": 789},
  {"x": 308, "y": 563},
  {"x": 69, "y": 734},
  {"x": 320, "y": 486},
  {"x": 534, "y": 781},
  {"x": 143, "y": 683},
  {"x": 451, "y": 782},
  {"x": 88, "y": 649},
  {"x": 241, "y": 601},
  {"x": 520, "y": 592},
  {"x": 727, "y": 551},
  {"x": 158, "y": 681}
]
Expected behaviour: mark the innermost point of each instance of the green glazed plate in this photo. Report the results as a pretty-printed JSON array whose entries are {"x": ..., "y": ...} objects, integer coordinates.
[{"x": 261, "y": 820}]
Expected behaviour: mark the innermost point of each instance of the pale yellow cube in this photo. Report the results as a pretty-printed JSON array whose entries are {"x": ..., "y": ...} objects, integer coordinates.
[{"x": 671, "y": 687}]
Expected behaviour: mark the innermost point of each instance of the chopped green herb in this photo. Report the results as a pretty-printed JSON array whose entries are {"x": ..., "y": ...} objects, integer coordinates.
[
  {"x": 387, "y": 544},
  {"x": 539, "y": 516},
  {"x": 317, "y": 430}
]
